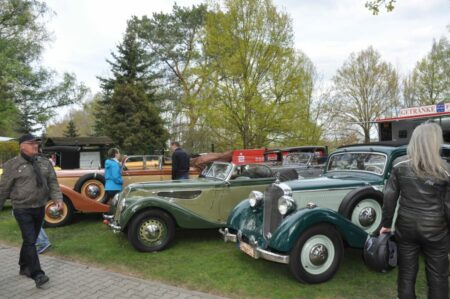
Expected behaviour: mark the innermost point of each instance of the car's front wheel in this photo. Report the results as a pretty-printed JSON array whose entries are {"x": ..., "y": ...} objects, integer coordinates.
[
  {"x": 151, "y": 230},
  {"x": 317, "y": 254},
  {"x": 55, "y": 217}
]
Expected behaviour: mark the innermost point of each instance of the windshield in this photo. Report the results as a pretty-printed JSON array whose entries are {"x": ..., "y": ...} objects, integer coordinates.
[
  {"x": 219, "y": 170},
  {"x": 370, "y": 162},
  {"x": 297, "y": 159}
]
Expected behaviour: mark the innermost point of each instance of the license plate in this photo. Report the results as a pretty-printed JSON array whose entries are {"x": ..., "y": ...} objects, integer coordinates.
[{"x": 247, "y": 249}]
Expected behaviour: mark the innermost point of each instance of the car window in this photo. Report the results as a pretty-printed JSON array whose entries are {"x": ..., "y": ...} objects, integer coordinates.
[
  {"x": 370, "y": 162},
  {"x": 297, "y": 159},
  {"x": 219, "y": 170}
]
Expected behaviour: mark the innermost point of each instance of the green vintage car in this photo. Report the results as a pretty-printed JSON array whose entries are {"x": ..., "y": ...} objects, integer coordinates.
[
  {"x": 305, "y": 223},
  {"x": 149, "y": 212}
]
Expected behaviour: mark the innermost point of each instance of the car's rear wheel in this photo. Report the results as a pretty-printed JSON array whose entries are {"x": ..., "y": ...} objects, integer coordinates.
[
  {"x": 317, "y": 254},
  {"x": 55, "y": 217},
  {"x": 151, "y": 230},
  {"x": 367, "y": 214},
  {"x": 364, "y": 208}
]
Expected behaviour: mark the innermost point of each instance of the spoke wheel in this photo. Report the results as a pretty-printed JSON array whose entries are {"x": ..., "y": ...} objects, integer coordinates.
[
  {"x": 151, "y": 230},
  {"x": 367, "y": 215},
  {"x": 317, "y": 254},
  {"x": 54, "y": 217}
]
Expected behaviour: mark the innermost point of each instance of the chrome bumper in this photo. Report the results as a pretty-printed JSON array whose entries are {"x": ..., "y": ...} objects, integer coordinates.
[
  {"x": 108, "y": 216},
  {"x": 109, "y": 220},
  {"x": 258, "y": 252},
  {"x": 227, "y": 236},
  {"x": 270, "y": 256}
]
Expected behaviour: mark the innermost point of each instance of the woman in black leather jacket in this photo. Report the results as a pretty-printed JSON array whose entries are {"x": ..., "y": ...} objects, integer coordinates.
[{"x": 419, "y": 182}]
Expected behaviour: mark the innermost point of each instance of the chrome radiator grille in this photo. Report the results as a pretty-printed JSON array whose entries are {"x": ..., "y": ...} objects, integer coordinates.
[{"x": 271, "y": 217}]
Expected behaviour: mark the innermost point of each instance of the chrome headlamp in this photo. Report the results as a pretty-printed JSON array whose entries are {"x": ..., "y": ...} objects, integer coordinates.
[
  {"x": 285, "y": 204},
  {"x": 286, "y": 189},
  {"x": 115, "y": 200},
  {"x": 255, "y": 198},
  {"x": 121, "y": 206}
]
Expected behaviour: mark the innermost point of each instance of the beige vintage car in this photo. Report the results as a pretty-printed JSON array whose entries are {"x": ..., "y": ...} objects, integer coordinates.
[{"x": 91, "y": 183}]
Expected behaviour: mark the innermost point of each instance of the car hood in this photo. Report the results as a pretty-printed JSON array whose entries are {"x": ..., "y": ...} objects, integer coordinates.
[{"x": 338, "y": 180}]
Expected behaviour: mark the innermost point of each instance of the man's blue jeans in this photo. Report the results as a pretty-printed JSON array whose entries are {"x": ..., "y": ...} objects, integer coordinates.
[{"x": 30, "y": 222}]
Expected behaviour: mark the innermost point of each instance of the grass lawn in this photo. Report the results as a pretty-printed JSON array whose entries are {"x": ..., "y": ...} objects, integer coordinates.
[{"x": 199, "y": 260}]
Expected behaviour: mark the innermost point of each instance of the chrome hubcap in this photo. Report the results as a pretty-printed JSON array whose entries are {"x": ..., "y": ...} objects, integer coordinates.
[
  {"x": 367, "y": 216},
  {"x": 152, "y": 232},
  {"x": 318, "y": 254},
  {"x": 92, "y": 191},
  {"x": 53, "y": 212}
]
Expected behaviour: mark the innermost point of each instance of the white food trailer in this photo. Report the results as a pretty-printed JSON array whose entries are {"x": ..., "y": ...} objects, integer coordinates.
[{"x": 400, "y": 128}]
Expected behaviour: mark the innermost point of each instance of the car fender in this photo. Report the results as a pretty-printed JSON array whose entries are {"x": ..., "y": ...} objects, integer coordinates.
[
  {"x": 239, "y": 213},
  {"x": 82, "y": 203},
  {"x": 285, "y": 237},
  {"x": 183, "y": 217}
]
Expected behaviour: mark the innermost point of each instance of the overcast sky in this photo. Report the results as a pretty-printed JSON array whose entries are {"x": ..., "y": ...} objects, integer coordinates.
[{"x": 86, "y": 31}]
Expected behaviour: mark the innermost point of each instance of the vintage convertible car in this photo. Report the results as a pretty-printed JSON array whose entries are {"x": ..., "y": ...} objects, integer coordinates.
[
  {"x": 304, "y": 223},
  {"x": 149, "y": 212},
  {"x": 72, "y": 202}
]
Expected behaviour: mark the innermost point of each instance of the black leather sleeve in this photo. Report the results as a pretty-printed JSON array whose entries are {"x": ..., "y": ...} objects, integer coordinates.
[{"x": 391, "y": 195}]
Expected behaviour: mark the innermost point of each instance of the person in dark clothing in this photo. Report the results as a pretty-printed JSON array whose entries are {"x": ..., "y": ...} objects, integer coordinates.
[
  {"x": 29, "y": 180},
  {"x": 180, "y": 162},
  {"x": 419, "y": 183}
]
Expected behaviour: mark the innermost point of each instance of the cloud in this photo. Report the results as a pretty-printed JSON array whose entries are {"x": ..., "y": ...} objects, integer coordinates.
[{"x": 326, "y": 30}]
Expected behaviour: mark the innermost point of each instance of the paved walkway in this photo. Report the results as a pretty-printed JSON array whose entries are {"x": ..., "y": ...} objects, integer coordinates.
[{"x": 74, "y": 280}]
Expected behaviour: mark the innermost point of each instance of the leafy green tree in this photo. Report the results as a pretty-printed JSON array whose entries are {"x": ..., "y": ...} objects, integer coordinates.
[
  {"x": 71, "y": 130},
  {"x": 38, "y": 97},
  {"x": 83, "y": 118},
  {"x": 374, "y": 5},
  {"x": 28, "y": 91},
  {"x": 366, "y": 88},
  {"x": 176, "y": 40},
  {"x": 429, "y": 82},
  {"x": 128, "y": 111},
  {"x": 259, "y": 87}
]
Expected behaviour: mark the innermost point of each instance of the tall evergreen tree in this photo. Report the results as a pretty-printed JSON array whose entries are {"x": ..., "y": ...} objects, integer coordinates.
[
  {"x": 71, "y": 130},
  {"x": 129, "y": 110}
]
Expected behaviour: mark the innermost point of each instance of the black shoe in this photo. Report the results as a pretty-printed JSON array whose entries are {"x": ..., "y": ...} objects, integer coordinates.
[
  {"x": 40, "y": 280},
  {"x": 25, "y": 272}
]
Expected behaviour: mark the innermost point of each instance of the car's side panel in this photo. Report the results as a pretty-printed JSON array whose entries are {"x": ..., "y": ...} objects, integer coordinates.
[
  {"x": 183, "y": 217},
  {"x": 286, "y": 235}
]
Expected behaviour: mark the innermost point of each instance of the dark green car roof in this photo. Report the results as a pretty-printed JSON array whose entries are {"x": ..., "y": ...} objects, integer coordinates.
[{"x": 376, "y": 147}]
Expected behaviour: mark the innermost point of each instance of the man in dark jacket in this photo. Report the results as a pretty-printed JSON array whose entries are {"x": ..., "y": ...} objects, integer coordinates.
[
  {"x": 29, "y": 181},
  {"x": 180, "y": 162}
]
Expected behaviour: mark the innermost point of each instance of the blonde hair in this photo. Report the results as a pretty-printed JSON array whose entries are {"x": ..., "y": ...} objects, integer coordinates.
[{"x": 423, "y": 150}]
